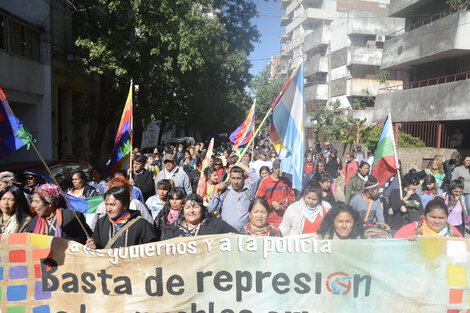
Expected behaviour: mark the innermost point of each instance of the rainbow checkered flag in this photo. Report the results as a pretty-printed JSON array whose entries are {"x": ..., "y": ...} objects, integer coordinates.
[{"x": 13, "y": 134}]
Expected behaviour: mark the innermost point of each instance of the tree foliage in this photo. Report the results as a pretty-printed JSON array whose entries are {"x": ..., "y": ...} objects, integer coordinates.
[
  {"x": 189, "y": 59},
  {"x": 371, "y": 138},
  {"x": 333, "y": 124}
]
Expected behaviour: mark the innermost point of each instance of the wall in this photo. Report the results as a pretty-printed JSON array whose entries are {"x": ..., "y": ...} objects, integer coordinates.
[{"x": 414, "y": 158}]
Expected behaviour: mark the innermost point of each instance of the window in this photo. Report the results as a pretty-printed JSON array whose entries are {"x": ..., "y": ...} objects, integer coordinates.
[
  {"x": 3, "y": 32},
  {"x": 23, "y": 40}
]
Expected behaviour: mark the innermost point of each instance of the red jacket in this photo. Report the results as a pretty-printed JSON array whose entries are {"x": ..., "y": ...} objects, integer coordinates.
[{"x": 276, "y": 190}]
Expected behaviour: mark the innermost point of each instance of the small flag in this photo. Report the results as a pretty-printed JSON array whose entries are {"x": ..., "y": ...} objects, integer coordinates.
[
  {"x": 13, "y": 134},
  {"x": 244, "y": 133},
  {"x": 201, "y": 184},
  {"x": 122, "y": 144},
  {"x": 286, "y": 127},
  {"x": 87, "y": 206},
  {"x": 385, "y": 159}
]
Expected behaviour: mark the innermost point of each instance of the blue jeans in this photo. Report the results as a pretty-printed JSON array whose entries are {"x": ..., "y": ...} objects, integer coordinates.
[{"x": 467, "y": 202}]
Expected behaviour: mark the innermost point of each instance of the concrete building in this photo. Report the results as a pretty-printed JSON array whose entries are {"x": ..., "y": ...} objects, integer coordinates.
[
  {"x": 38, "y": 62},
  {"x": 433, "y": 50},
  {"x": 340, "y": 41}
]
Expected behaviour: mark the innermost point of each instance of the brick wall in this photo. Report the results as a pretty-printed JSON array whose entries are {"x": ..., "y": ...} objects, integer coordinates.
[{"x": 419, "y": 157}]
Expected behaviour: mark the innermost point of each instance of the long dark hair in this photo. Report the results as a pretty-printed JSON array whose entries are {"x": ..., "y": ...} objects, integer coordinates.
[
  {"x": 198, "y": 199},
  {"x": 22, "y": 208},
  {"x": 179, "y": 192},
  {"x": 327, "y": 228}
]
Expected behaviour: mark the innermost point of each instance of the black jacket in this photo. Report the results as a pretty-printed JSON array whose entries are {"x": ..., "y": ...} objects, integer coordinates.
[
  {"x": 209, "y": 226},
  {"x": 139, "y": 233},
  {"x": 88, "y": 191},
  {"x": 144, "y": 182},
  {"x": 71, "y": 228},
  {"x": 399, "y": 218}
]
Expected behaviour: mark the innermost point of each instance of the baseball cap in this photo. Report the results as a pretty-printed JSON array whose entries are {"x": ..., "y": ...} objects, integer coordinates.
[{"x": 168, "y": 157}]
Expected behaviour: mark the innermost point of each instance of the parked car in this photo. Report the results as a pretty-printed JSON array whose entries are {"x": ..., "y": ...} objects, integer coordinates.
[
  {"x": 186, "y": 141},
  {"x": 60, "y": 169}
]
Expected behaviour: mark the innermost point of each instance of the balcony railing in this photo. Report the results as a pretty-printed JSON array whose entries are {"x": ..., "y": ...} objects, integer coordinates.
[
  {"x": 427, "y": 82},
  {"x": 422, "y": 22}
]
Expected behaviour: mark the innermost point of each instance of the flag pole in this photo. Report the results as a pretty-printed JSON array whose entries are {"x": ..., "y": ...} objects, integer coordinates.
[
  {"x": 53, "y": 178},
  {"x": 60, "y": 188},
  {"x": 396, "y": 158},
  {"x": 132, "y": 130}
]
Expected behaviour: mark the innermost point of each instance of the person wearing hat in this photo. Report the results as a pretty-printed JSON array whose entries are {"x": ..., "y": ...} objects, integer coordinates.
[
  {"x": 368, "y": 203},
  {"x": 277, "y": 191},
  {"x": 33, "y": 179},
  {"x": 175, "y": 173},
  {"x": 262, "y": 161},
  {"x": 7, "y": 179},
  {"x": 360, "y": 155},
  {"x": 52, "y": 219}
]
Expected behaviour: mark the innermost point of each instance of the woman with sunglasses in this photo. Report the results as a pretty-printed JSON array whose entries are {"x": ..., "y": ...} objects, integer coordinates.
[{"x": 195, "y": 220}]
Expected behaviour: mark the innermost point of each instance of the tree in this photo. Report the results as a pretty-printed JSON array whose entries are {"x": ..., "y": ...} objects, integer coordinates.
[
  {"x": 265, "y": 89},
  {"x": 372, "y": 136},
  {"x": 188, "y": 57},
  {"x": 333, "y": 124}
]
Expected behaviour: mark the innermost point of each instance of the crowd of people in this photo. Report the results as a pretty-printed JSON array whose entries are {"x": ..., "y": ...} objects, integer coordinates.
[{"x": 168, "y": 194}]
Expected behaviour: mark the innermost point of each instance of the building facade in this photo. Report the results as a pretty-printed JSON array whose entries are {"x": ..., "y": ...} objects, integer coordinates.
[
  {"x": 341, "y": 43},
  {"x": 433, "y": 52},
  {"x": 40, "y": 76}
]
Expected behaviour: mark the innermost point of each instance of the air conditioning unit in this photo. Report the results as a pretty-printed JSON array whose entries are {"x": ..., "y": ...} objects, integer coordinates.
[{"x": 380, "y": 38}]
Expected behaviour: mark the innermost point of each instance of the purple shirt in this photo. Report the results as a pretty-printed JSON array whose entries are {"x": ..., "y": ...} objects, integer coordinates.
[{"x": 455, "y": 216}]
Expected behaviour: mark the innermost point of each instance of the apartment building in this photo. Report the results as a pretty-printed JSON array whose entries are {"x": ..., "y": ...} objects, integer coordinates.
[
  {"x": 341, "y": 42},
  {"x": 433, "y": 52}
]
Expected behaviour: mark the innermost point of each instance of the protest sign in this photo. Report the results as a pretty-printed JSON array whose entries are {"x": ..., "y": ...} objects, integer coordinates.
[{"x": 235, "y": 273}]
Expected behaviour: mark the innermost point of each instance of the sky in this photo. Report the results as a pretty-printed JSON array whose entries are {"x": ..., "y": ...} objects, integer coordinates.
[{"x": 268, "y": 24}]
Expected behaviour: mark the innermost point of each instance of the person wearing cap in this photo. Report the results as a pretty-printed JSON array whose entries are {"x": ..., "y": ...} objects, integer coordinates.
[
  {"x": 33, "y": 179},
  {"x": 7, "y": 179},
  {"x": 262, "y": 161},
  {"x": 368, "y": 203},
  {"x": 175, "y": 173},
  {"x": 141, "y": 178},
  {"x": 277, "y": 191},
  {"x": 52, "y": 219}
]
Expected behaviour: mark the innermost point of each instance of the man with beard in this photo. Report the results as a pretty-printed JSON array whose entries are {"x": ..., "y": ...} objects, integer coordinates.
[{"x": 368, "y": 203}]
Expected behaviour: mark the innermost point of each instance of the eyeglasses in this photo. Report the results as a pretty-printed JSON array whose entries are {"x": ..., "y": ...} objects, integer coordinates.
[{"x": 218, "y": 164}]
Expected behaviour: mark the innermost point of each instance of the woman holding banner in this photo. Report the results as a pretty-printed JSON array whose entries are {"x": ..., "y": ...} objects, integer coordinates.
[
  {"x": 434, "y": 223},
  {"x": 258, "y": 212},
  {"x": 341, "y": 222},
  {"x": 196, "y": 220},
  {"x": 305, "y": 216},
  {"x": 52, "y": 219},
  {"x": 15, "y": 211},
  {"x": 121, "y": 227}
]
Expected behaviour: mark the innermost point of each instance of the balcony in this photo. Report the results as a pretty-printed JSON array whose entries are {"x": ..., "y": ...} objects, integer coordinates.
[
  {"x": 405, "y": 8},
  {"x": 284, "y": 20},
  {"x": 284, "y": 38},
  {"x": 316, "y": 92},
  {"x": 312, "y": 15},
  {"x": 444, "y": 38},
  {"x": 315, "y": 65},
  {"x": 356, "y": 86},
  {"x": 442, "y": 102},
  {"x": 319, "y": 36},
  {"x": 284, "y": 4},
  {"x": 365, "y": 56},
  {"x": 297, "y": 41}
]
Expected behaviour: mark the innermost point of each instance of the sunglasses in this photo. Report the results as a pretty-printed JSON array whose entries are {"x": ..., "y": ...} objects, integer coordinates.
[
  {"x": 30, "y": 178},
  {"x": 218, "y": 164}
]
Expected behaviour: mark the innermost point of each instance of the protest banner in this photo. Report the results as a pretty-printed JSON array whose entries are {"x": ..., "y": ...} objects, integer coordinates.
[{"x": 235, "y": 273}]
